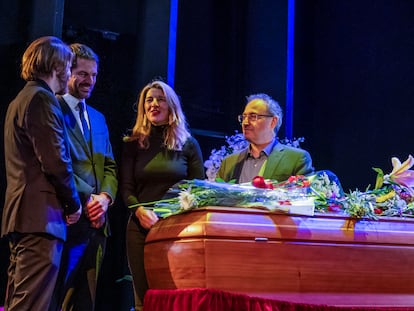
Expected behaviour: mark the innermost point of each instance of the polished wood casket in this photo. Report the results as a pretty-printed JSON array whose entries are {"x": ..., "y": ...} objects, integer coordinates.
[{"x": 320, "y": 259}]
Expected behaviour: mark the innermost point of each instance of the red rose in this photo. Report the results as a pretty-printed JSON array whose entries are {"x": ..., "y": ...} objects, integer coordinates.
[
  {"x": 378, "y": 211},
  {"x": 259, "y": 182},
  {"x": 292, "y": 179}
]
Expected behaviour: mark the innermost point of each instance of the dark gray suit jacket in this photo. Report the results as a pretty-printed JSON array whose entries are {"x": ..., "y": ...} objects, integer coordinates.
[
  {"x": 283, "y": 162},
  {"x": 40, "y": 185},
  {"x": 94, "y": 166}
]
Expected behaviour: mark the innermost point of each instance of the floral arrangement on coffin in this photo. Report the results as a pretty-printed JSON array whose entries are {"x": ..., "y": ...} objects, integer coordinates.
[
  {"x": 190, "y": 194},
  {"x": 393, "y": 195}
]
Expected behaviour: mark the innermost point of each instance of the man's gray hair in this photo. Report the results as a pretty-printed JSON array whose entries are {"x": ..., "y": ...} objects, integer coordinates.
[{"x": 273, "y": 107}]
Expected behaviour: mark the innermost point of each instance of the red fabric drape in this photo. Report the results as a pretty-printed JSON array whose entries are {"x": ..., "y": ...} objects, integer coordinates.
[{"x": 202, "y": 299}]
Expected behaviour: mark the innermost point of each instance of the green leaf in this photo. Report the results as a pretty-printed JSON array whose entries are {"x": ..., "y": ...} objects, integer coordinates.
[
  {"x": 380, "y": 177},
  {"x": 161, "y": 210}
]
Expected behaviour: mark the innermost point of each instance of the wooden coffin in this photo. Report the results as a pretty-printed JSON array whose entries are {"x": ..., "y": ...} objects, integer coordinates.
[{"x": 323, "y": 259}]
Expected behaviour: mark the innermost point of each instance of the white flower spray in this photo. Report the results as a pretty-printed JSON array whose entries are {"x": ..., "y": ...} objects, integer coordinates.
[{"x": 187, "y": 199}]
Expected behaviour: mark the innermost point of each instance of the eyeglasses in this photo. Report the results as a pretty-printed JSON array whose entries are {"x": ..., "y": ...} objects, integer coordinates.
[{"x": 252, "y": 117}]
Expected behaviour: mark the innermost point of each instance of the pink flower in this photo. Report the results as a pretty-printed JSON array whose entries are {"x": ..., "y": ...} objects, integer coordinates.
[{"x": 401, "y": 173}]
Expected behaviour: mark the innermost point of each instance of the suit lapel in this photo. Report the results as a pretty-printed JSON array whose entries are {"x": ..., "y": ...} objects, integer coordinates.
[
  {"x": 239, "y": 165},
  {"x": 73, "y": 127},
  {"x": 273, "y": 160}
]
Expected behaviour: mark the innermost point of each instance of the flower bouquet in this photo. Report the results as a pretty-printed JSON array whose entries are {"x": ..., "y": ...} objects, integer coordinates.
[
  {"x": 190, "y": 194},
  {"x": 393, "y": 194},
  {"x": 322, "y": 192}
]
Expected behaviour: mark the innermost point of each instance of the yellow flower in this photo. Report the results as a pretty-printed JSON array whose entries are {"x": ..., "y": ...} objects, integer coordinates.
[{"x": 385, "y": 197}]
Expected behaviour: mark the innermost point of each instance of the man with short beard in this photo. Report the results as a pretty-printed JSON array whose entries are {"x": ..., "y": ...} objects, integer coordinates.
[{"x": 96, "y": 181}]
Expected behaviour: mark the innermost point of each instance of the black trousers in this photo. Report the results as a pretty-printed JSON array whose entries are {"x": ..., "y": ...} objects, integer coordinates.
[
  {"x": 135, "y": 242},
  {"x": 80, "y": 265}
]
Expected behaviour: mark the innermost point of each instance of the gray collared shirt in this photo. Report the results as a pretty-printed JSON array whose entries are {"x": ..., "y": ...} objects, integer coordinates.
[{"x": 252, "y": 165}]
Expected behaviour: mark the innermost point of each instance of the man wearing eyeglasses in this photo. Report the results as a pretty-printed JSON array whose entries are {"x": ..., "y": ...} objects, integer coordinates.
[{"x": 265, "y": 156}]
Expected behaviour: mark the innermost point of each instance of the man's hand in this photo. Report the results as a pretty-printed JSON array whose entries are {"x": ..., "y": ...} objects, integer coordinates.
[
  {"x": 96, "y": 209},
  {"x": 99, "y": 222},
  {"x": 73, "y": 218},
  {"x": 147, "y": 218}
]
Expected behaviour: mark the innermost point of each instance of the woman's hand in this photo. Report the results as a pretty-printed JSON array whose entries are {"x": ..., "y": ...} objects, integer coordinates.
[{"x": 147, "y": 218}]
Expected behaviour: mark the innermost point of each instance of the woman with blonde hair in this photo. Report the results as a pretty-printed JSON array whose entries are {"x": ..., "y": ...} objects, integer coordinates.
[{"x": 158, "y": 153}]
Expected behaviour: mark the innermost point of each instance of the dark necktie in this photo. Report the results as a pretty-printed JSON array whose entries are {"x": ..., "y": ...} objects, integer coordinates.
[{"x": 86, "y": 131}]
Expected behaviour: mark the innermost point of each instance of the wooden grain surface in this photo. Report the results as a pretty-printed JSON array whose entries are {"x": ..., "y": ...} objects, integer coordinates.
[{"x": 313, "y": 259}]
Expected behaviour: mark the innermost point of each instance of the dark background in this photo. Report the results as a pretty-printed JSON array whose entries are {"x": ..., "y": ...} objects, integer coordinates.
[{"x": 353, "y": 70}]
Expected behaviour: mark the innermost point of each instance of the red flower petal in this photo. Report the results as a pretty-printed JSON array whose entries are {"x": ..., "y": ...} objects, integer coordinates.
[{"x": 259, "y": 182}]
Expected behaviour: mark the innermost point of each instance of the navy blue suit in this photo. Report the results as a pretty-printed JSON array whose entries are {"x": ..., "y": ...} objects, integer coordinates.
[{"x": 95, "y": 172}]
